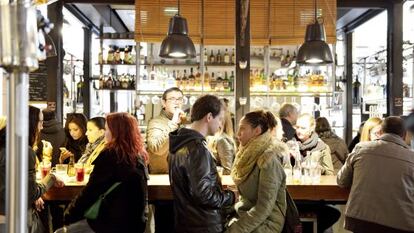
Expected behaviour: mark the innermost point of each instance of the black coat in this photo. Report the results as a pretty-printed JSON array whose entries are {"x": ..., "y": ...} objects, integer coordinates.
[
  {"x": 124, "y": 208},
  {"x": 54, "y": 133},
  {"x": 289, "y": 131},
  {"x": 198, "y": 195}
]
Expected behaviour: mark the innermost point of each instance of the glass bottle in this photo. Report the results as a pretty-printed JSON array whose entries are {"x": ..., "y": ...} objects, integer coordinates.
[
  {"x": 297, "y": 172},
  {"x": 205, "y": 55},
  {"x": 213, "y": 82},
  {"x": 356, "y": 95},
  {"x": 287, "y": 167},
  {"x": 233, "y": 57},
  {"x": 219, "y": 59},
  {"x": 126, "y": 56},
  {"x": 226, "y": 57},
  {"x": 191, "y": 80},
  {"x": 226, "y": 82},
  {"x": 231, "y": 81},
  {"x": 110, "y": 57},
  {"x": 71, "y": 166},
  {"x": 212, "y": 59},
  {"x": 206, "y": 84}
]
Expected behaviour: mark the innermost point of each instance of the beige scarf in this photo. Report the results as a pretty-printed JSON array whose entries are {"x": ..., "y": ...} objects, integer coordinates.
[{"x": 247, "y": 156}]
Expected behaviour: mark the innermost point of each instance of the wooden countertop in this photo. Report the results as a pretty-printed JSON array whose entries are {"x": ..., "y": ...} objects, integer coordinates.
[{"x": 159, "y": 190}]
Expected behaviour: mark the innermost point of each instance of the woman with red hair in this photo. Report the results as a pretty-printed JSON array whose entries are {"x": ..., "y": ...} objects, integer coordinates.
[{"x": 123, "y": 160}]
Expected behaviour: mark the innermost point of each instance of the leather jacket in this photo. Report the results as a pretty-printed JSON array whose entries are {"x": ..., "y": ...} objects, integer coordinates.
[{"x": 198, "y": 195}]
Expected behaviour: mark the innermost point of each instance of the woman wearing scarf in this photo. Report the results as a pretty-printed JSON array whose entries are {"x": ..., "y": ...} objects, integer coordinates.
[
  {"x": 310, "y": 146},
  {"x": 259, "y": 176},
  {"x": 95, "y": 131}
]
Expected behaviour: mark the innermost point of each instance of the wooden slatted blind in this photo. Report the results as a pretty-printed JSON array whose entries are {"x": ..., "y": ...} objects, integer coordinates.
[
  {"x": 152, "y": 18},
  {"x": 290, "y": 17},
  {"x": 286, "y": 25},
  {"x": 219, "y": 22},
  {"x": 259, "y": 22}
]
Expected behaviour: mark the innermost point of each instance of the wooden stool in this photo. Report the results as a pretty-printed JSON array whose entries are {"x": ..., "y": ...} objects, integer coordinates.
[{"x": 310, "y": 217}]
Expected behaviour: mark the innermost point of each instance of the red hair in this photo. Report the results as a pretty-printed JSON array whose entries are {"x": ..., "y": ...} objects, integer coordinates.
[{"x": 126, "y": 139}]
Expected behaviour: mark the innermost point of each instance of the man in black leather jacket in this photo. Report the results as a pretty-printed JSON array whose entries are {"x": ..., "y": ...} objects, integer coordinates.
[{"x": 198, "y": 195}]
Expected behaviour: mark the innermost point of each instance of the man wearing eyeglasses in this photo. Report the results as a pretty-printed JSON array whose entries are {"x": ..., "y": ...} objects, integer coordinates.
[{"x": 171, "y": 118}]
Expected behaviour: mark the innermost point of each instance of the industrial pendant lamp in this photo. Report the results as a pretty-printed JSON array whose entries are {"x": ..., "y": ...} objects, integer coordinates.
[
  {"x": 177, "y": 44},
  {"x": 315, "y": 50}
]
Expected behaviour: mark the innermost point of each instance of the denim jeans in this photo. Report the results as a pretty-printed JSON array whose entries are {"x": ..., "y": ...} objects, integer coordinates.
[{"x": 77, "y": 227}]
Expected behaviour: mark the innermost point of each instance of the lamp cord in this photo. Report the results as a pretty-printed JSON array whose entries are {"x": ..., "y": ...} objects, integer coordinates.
[
  {"x": 316, "y": 11},
  {"x": 178, "y": 3}
]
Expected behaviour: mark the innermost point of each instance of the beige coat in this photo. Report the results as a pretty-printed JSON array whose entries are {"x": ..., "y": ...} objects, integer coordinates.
[
  {"x": 338, "y": 147},
  {"x": 380, "y": 174},
  {"x": 262, "y": 204},
  {"x": 158, "y": 142},
  {"x": 224, "y": 150}
]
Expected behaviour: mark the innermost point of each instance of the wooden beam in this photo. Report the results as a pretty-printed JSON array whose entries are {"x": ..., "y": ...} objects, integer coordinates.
[{"x": 106, "y": 2}]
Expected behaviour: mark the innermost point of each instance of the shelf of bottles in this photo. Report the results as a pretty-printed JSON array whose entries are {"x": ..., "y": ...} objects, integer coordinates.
[{"x": 117, "y": 56}]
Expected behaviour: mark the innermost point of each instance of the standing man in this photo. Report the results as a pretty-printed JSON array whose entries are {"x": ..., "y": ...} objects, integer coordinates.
[
  {"x": 170, "y": 119},
  {"x": 198, "y": 195},
  {"x": 288, "y": 115},
  {"x": 380, "y": 174}
]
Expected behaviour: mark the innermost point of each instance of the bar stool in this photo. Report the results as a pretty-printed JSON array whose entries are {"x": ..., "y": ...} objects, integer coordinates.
[{"x": 310, "y": 217}]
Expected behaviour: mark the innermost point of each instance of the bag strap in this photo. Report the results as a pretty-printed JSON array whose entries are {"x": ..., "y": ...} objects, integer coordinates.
[{"x": 110, "y": 189}]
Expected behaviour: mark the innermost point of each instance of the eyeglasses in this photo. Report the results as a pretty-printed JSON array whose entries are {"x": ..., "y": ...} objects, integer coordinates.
[{"x": 176, "y": 100}]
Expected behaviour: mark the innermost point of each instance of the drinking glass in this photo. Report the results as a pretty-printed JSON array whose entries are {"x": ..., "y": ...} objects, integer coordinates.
[
  {"x": 80, "y": 172},
  {"x": 61, "y": 170},
  {"x": 45, "y": 167}
]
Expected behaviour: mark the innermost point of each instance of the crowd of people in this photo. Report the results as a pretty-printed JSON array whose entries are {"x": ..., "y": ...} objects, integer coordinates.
[{"x": 195, "y": 149}]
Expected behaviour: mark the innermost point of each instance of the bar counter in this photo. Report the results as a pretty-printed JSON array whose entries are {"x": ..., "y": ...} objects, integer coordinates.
[{"x": 159, "y": 190}]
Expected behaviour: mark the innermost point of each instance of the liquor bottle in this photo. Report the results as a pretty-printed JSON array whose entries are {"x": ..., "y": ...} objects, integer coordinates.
[
  {"x": 233, "y": 57},
  {"x": 213, "y": 82},
  {"x": 197, "y": 82},
  {"x": 110, "y": 57},
  {"x": 126, "y": 56},
  {"x": 226, "y": 57},
  {"x": 205, "y": 55},
  {"x": 287, "y": 167},
  {"x": 219, "y": 85},
  {"x": 117, "y": 56},
  {"x": 109, "y": 82},
  {"x": 191, "y": 80},
  {"x": 231, "y": 81},
  {"x": 219, "y": 59},
  {"x": 226, "y": 82},
  {"x": 297, "y": 172},
  {"x": 206, "y": 84},
  {"x": 152, "y": 74},
  {"x": 356, "y": 98},
  {"x": 212, "y": 58},
  {"x": 101, "y": 81},
  {"x": 71, "y": 166},
  {"x": 184, "y": 80},
  {"x": 79, "y": 90}
]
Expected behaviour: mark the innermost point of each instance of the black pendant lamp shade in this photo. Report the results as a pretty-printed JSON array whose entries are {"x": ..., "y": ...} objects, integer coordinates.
[
  {"x": 315, "y": 50},
  {"x": 177, "y": 44}
]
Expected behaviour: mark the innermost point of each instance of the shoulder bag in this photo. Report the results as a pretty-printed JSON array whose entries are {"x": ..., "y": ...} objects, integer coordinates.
[{"x": 93, "y": 211}]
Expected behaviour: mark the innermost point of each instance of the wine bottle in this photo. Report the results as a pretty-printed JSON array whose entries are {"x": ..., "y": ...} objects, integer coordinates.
[
  {"x": 226, "y": 57},
  {"x": 212, "y": 58}
]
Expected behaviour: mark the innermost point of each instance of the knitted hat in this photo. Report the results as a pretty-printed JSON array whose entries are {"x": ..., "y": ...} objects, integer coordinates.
[{"x": 2, "y": 122}]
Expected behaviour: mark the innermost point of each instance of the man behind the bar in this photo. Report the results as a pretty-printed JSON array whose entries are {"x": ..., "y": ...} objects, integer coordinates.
[
  {"x": 198, "y": 195},
  {"x": 158, "y": 129},
  {"x": 380, "y": 174},
  {"x": 288, "y": 115}
]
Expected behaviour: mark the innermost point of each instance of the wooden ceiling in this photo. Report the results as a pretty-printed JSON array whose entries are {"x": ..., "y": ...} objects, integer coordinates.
[{"x": 272, "y": 22}]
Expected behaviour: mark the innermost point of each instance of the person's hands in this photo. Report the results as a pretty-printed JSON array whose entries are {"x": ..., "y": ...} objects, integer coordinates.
[
  {"x": 64, "y": 154},
  {"x": 47, "y": 150},
  {"x": 39, "y": 204},
  {"x": 59, "y": 183},
  {"x": 178, "y": 116}
]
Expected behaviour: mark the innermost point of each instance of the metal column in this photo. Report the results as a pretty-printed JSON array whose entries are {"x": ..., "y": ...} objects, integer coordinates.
[
  {"x": 242, "y": 56},
  {"x": 18, "y": 47},
  {"x": 348, "y": 87}
]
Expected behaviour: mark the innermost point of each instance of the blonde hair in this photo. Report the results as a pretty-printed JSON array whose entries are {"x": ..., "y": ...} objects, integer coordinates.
[
  {"x": 227, "y": 126},
  {"x": 368, "y": 126},
  {"x": 310, "y": 118}
]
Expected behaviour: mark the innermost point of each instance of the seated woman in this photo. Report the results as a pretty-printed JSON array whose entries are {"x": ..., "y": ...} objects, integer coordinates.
[
  {"x": 259, "y": 176},
  {"x": 370, "y": 130},
  {"x": 75, "y": 129},
  {"x": 337, "y": 146},
  {"x": 123, "y": 160},
  {"x": 223, "y": 146},
  {"x": 95, "y": 131}
]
